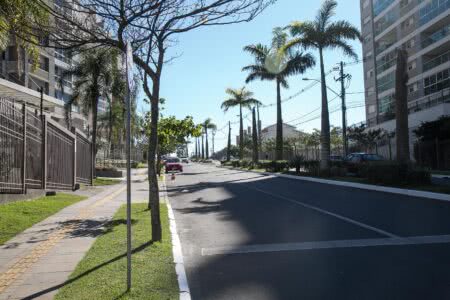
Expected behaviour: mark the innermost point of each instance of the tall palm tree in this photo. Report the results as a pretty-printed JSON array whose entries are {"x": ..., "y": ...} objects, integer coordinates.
[
  {"x": 94, "y": 75},
  {"x": 241, "y": 98},
  {"x": 277, "y": 64},
  {"x": 208, "y": 124},
  {"x": 322, "y": 34}
]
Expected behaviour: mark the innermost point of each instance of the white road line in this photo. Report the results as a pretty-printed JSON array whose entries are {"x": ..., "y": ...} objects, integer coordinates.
[
  {"x": 377, "y": 230},
  {"x": 183, "y": 285},
  {"x": 418, "y": 240}
]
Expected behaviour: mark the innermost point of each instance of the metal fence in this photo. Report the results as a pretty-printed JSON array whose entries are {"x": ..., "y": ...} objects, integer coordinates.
[{"x": 38, "y": 153}]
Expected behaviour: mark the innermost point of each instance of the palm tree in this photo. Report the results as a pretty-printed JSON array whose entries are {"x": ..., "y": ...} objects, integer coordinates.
[
  {"x": 94, "y": 75},
  {"x": 323, "y": 34},
  {"x": 277, "y": 64},
  {"x": 208, "y": 124},
  {"x": 244, "y": 99}
]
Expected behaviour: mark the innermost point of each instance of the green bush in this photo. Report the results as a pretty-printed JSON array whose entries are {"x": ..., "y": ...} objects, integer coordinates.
[
  {"x": 277, "y": 166},
  {"x": 393, "y": 173},
  {"x": 297, "y": 162}
]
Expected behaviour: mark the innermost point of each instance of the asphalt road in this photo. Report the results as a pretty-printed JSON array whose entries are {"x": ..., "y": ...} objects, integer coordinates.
[{"x": 249, "y": 236}]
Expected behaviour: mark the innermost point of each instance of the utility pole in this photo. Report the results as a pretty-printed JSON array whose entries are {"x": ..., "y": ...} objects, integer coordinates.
[
  {"x": 341, "y": 78},
  {"x": 259, "y": 133}
]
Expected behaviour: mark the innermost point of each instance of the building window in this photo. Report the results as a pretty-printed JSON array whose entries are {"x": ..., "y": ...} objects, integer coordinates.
[
  {"x": 386, "y": 82},
  {"x": 371, "y": 109},
  {"x": 413, "y": 88},
  {"x": 412, "y": 66},
  {"x": 436, "y": 82},
  {"x": 386, "y": 104},
  {"x": 370, "y": 74},
  {"x": 367, "y": 20},
  {"x": 366, "y": 3}
]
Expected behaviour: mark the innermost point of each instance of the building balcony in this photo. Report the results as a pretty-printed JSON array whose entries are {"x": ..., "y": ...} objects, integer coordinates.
[
  {"x": 424, "y": 103},
  {"x": 436, "y": 61},
  {"x": 432, "y": 10},
  {"x": 380, "y": 5},
  {"x": 436, "y": 37}
]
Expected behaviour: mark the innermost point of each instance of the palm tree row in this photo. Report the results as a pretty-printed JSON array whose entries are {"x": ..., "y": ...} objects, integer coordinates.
[{"x": 286, "y": 57}]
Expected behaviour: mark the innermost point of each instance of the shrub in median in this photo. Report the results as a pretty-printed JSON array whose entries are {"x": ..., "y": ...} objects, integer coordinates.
[
  {"x": 393, "y": 173},
  {"x": 297, "y": 162}
]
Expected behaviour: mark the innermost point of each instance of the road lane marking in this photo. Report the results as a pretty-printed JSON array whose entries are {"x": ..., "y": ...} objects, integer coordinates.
[
  {"x": 354, "y": 222},
  {"x": 361, "y": 243}
]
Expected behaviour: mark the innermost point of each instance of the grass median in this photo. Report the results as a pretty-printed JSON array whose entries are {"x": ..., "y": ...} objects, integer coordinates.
[
  {"x": 15, "y": 217},
  {"x": 102, "y": 272},
  {"x": 105, "y": 181}
]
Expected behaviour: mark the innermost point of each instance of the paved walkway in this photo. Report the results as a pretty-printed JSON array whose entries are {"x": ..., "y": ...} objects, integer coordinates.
[{"x": 37, "y": 262}]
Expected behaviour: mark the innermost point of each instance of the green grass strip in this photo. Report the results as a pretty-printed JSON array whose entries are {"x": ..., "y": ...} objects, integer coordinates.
[
  {"x": 102, "y": 272},
  {"x": 15, "y": 217},
  {"x": 105, "y": 181}
]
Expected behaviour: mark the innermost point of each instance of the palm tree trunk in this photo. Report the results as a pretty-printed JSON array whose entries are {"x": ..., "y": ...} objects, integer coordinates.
[
  {"x": 401, "y": 108},
  {"x": 229, "y": 142},
  {"x": 255, "y": 137},
  {"x": 203, "y": 147},
  {"x": 279, "y": 138},
  {"x": 206, "y": 143},
  {"x": 196, "y": 150},
  {"x": 325, "y": 124},
  {"x": 241, "y": 134}
]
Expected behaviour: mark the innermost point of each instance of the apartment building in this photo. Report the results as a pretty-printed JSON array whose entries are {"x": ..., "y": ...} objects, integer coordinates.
[
  {"x": 422, "y": 28},
  {"x": 19, "y": 80}
]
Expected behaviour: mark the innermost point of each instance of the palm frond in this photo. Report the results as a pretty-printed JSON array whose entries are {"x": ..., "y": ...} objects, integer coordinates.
[
  {"x": 326, "y": 12},
  {"x": 343, "y": 30},
  {"x": 344, "y": 46}
]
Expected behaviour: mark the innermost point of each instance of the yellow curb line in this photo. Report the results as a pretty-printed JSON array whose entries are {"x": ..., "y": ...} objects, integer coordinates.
[{"x": 26, "y": 262}]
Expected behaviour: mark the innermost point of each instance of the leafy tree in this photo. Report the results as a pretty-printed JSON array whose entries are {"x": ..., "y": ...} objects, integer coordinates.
[
  {"x": 16, "y": 19},
  {"x": 429, "y": 131},
  {"x": 277, "y": 64},
  {"x": 208, "y": 124},
  {"x": 150, "y": 27},
  {"x": 243, "y": 99},
  {"x": 322, "y": 34}
]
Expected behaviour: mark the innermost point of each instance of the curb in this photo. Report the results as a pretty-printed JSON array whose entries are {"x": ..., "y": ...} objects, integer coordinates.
[
  {"x": 370, "y": 187},
  {"x": 185, "y": 293}
]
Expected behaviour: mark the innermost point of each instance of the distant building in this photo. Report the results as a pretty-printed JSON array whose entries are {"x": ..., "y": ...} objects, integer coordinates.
[{"x": 270, "y": 132}]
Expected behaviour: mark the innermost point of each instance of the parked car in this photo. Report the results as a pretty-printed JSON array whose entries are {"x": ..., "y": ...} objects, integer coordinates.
[
  {"x": 185, "y": 160},
  {"x": 355, "y": 160},
  {"x": 173, "y": 165}
]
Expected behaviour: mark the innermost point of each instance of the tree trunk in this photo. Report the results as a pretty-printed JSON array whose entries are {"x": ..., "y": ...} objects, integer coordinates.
[
  {"x": 229, "y": 142},
  {"x": 206, "y": 143},
  {"x": 152, "y": 175},
  {"x": 279, "y": 138},
  {"x": 325, "y": 124},
  {"x": 95, "y": 97},
  {"x": 241, "y": 134},
  {"x": 195, "y": 141},
  {"x": 203, "y": 146},
  {"x": 255, "y": 137},
  {"x": 401, "y": 108}
]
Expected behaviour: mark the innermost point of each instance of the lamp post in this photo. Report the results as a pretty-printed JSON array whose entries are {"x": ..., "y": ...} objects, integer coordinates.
[{"x": 344, "y": 116}]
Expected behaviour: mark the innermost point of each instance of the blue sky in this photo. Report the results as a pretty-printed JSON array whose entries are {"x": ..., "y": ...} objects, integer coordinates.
[{"x": 210, "y": 60}]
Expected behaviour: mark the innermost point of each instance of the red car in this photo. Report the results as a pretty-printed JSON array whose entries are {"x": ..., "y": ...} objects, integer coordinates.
[{"x": 173, "y": 165}]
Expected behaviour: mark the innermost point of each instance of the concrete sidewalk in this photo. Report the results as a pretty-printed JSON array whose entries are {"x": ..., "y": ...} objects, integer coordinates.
[{"x": 38, "y": 261}]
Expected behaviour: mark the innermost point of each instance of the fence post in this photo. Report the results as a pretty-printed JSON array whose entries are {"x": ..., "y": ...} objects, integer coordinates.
[
  {"x": 44, "y": 152},
  {"x": 24, "y": 163},
  {"x": 74, "y": 182}
]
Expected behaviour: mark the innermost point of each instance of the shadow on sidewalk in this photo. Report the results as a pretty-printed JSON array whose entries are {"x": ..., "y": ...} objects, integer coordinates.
[{"x": 58, "y": 286}]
